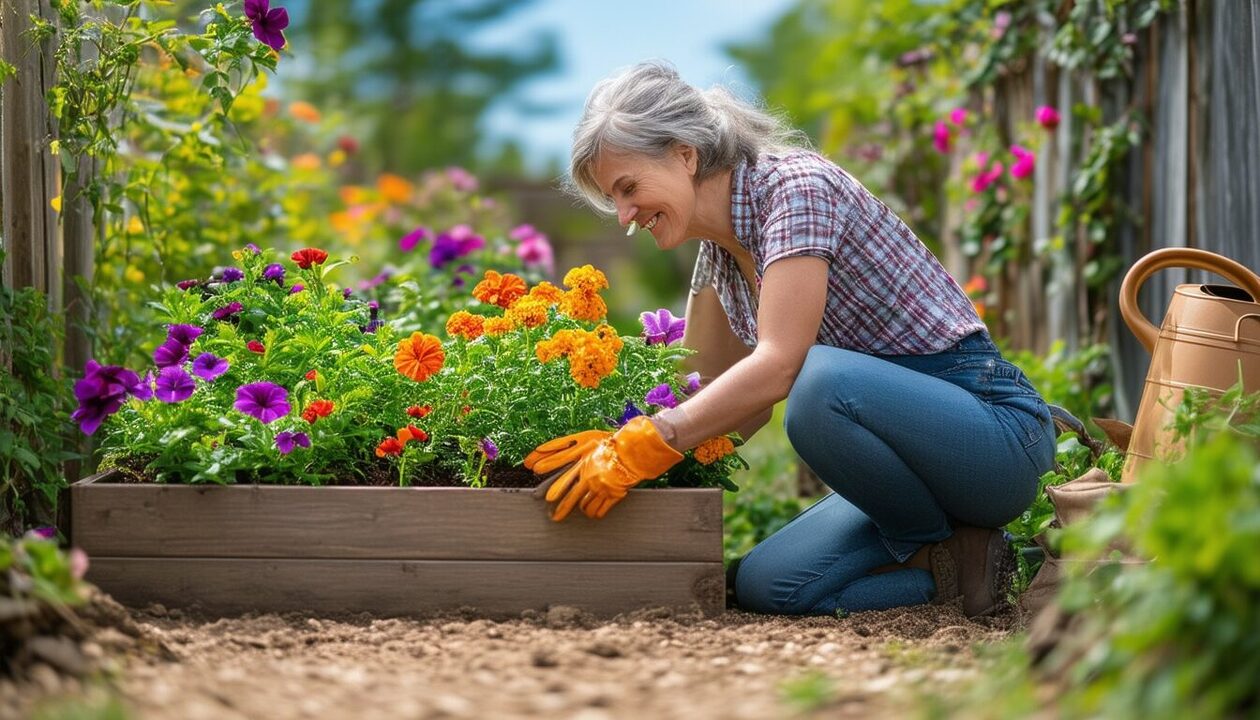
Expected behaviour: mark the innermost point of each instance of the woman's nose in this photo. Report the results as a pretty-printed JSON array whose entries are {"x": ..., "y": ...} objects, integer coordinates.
[{"x": 626, "y": 213}]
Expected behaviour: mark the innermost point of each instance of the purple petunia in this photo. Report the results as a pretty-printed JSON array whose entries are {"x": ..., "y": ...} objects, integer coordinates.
[
  {"x": 267, "y": 21},
  {"x": 264, "y": 401},
  {"x": 227, "y": 311},
  {"x": 693, "y": 383},
  {"x": 274, "y": 272},
  {"x": 208, "y": 366},
  {"x": 662, "y": 395},
  {"x": 174, "y": 385},
  {"x": 187, "y": 284},
  {"x": 346, "y": 293},
  {"x": 253, "y": 248},
  {"x": 632, "y": 411},
  {"x": 102, "y": 390},
  {"x": 286, "y": 441},
  {"x": 170, "y": 353},
  {"x": 297, "y": 288},
  {"x": 183, "y": 334},
  {"x": 490, "y": 449},
  {"x": 454, "y": 244},
  {"x": 662, "y": 327},
  {"x": 144, "y": 391},
  {"x": 408, "y": 242},
  {"x": 232, "y": 274}
]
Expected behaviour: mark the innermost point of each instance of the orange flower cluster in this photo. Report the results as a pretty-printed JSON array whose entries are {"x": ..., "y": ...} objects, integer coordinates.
[
  {"x": 528, "y": 312},
  {"x": 499, "y": 289},
  {"x": 497, "y": 326},
  {"x": 394, "y": 445},
  {"x": 582, "y": 301},
  {"x": 713, "y": 449},
  {"x": 316, "y": 410},
  {"x": 465, "y": 324},
  {"x": 419, "y": 357},
  {"x": 592, "y": 355}
]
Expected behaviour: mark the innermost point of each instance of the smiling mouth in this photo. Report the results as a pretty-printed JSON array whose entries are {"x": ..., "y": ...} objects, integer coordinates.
[{"x": 652, "y": 223}]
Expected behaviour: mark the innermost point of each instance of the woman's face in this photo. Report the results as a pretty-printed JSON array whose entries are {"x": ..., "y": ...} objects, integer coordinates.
[{"x": 658, "y": 193}]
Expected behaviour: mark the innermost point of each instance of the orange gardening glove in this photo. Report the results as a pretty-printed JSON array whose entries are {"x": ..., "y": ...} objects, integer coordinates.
[{"x": 604, "y": 469}]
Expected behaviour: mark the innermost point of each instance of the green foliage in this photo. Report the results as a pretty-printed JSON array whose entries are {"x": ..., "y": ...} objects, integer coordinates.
[
  {"x": 33, "y": 569},
  {"x": 34, "y": 411},
  {"x": 1078, "y": 382},
  {"x": 768, "y": 498}
]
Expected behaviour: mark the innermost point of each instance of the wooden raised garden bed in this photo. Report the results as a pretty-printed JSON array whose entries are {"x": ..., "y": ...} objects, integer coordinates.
[{"x": 394, "y": 551}]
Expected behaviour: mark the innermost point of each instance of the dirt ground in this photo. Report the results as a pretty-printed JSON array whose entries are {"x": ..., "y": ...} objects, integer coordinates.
[{"x": 560, "y": 663}]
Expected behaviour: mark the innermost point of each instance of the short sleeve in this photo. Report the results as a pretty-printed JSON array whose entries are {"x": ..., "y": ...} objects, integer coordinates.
[{"x": 807, "y": 209}]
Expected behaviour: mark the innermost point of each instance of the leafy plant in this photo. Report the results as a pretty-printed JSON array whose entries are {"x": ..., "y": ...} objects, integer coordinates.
[{"x": 34, "y": 411}]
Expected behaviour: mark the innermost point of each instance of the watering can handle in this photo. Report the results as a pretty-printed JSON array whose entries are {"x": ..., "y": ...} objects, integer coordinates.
[{"x": 1176, "y": 257}]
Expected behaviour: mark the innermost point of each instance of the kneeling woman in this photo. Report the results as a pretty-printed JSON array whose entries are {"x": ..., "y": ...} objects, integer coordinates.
[{"x": 808, "y": 288}]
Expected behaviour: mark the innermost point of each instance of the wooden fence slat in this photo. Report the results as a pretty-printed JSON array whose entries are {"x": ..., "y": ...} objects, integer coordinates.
[
  {"x": 397, "y": 587},
  {"x": 139, "y": 520}
]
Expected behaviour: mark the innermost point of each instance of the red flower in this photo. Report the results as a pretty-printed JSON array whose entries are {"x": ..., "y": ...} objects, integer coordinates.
[
  {"x": 312, "y": 374},
  {"x": 389, "y": 446},
  {"x": 419, "y": 411},
  {"x": 466, "y": 409},
  {"x": 411, "y": 432},
  {"x": 307, "y": 257},
  {"x": 256, "y": 346},
  {"x": 317, "y": 409}
]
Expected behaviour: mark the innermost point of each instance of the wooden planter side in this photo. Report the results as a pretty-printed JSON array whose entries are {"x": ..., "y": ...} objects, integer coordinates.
[
  {"x": 137, "y": 520},
  {"x": 395, "y": 551}
]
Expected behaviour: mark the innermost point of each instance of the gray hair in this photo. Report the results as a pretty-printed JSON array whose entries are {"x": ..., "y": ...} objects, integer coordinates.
[{"x": 648, "y": 109}]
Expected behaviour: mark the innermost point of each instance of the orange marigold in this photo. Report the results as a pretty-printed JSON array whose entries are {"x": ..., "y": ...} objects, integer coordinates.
[
  {"x": 607, "y": 334},
  {"x": 591, "y": 361},
  {"x": 419, "y": 356},
  {"x": 496, "y": 326},
  {"x": 527, "y": 311},
  {"x": 585, "y": 278},
  {"x": 394, "y": 188},
  {"x": 499, "y": 289},
  {"x": 582, "y": 305},
  {"x": 465, "y": 324},
  {"x": 411, "y": 432},
  {"x": 713, "y": 449},
  {"x": 546, "y": 292},
  {"x": 557, "y": 345},
  {"x": 304, "y": 111}
]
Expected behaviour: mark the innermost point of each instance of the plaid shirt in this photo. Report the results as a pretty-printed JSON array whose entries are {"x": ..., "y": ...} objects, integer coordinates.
[{"x": 886, "y": 293}]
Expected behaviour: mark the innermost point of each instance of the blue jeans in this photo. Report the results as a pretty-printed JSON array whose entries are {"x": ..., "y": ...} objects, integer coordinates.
[{"x": 911, "y": 444}]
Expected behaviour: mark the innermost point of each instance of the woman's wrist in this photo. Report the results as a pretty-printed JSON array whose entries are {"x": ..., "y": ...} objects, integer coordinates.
[{"x": 664, "y": 424}]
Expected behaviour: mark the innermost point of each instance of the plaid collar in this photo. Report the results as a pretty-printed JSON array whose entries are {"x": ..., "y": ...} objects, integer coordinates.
[{"x": 741, "y": 205}]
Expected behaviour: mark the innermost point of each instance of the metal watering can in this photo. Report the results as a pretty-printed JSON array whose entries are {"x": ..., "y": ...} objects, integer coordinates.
[{"x": 1208, "y": 331}]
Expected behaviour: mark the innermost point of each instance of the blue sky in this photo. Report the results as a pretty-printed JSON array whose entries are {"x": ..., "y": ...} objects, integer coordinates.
[{"x": 596, "y": 38}]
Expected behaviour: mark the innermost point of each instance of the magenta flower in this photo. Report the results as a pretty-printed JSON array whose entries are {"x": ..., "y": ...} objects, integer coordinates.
[
  {"x": 662, "y": 395},
  {"x": 408, "y": 242},
  {"x": 454, "y": 244},
  {"x": 227, "y": 311},
  {"x": 144, "y": 391},
  {"x": 1024, "y": 164},
  {"x": 984, "y": 179},
  {"x": 537, "y": 252},
  {"x": 43, "y": 532},
  {"x": 170, "y": 353},
  {"x": 208, "y": 366},
  {"x": 102, "y": 390},
  {"x": 662, "y": 327},
  {"x": 1047, "y": 117},
  {"x": 297, "y": 288},
  {"x": 693, "y": 383},
  {"x": 232, "y": 274},
  {"x": 274, "y": 272},
  {"x": 264, "y": 401},
  {"x": 268, "y": 23},
  {"x": 940, "y": 136},
  {"x": 286, "y": 441},
  {"x": 187, "y": 284},
  {"x": 490, "y": 449},
  {"x": 958, "y": 116},
  {"x": 253, "y": 248},
  {"x": 183, "y": 334},
  {"x": 461, "y": 179},
  {"x": 174, "y": 385}
]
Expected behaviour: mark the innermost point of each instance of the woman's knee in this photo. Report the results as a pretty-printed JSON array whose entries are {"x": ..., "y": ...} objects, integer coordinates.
[
  {"x": 762, "y": 586},
  {"x": 815, "y": 400}
]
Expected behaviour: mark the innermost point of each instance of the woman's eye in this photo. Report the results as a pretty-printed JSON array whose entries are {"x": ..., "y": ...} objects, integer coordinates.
[{"x": 630, "y": 188}]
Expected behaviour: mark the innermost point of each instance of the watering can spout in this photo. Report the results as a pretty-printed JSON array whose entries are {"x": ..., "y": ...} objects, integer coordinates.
[{"x": 1209, "y": 332}]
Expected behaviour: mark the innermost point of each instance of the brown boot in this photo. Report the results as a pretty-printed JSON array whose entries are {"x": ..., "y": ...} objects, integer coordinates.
[{"x": 976, "y": 564}]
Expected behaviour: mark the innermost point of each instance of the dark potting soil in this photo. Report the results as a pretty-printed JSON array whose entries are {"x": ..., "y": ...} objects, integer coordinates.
[{"x": 131, "y": 469}]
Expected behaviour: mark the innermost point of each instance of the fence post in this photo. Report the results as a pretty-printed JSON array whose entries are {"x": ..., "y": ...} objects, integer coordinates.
[{"x": 28, "y": 177}]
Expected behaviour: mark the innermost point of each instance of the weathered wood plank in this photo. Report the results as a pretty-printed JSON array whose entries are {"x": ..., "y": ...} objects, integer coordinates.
[
  {"x": 407, "y": 587},
  {"x": 135, "y": 520}
]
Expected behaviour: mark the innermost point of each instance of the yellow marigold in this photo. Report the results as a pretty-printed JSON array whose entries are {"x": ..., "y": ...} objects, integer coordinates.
[
  {"x": 528, "y": 312},
  {"x": 582, "y": 305},
  {"x": 713, "y": 449},
  {"x": 586, "y": 278},
  {"x": 607, "y": 334},
  {"x": 304, "y": 111},
  {"x": 496, "y": 326},
  {"x": 394, "y": 188},
  {"x": 499, "y": 289},
  {"x": 546, "y": 292},
  {"x": 466, "y": 325}
]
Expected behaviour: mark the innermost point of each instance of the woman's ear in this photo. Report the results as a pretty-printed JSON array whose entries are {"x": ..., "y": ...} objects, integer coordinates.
[{"x": 689, "y": 157}]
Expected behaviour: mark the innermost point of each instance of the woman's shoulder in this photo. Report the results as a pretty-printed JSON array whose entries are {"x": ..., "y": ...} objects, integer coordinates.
[{"x": 794, "y": 170}]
